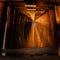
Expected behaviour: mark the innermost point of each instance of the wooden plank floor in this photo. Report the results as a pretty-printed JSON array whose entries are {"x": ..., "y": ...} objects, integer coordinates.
[
  {"x": 30, "y": 52},
  {"x": 31, "y": 58}
]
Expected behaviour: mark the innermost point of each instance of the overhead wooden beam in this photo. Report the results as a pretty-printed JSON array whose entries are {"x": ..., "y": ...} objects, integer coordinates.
[
  {"x": 52, "y": 3},
  {"x": 30, "y": 6},
  {"x": 11, "y": 0}
]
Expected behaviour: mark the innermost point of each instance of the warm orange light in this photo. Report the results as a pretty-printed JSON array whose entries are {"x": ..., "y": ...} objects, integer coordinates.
[
  {"x": 39, "y": 35},
  {"x": 57, "y": 12},
  {"x": 30, "y": 39}
]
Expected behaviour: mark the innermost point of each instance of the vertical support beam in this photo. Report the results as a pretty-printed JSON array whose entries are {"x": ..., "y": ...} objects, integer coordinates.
[
  {"x": 3, "y": 18},
  {"x": 53, "y": 24},
  {"x": 9, "y": 34},
  {"x": 15, "y": 30},
  {"x": 9, "y": 29},
  {"x": 57, "y": 12}
]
